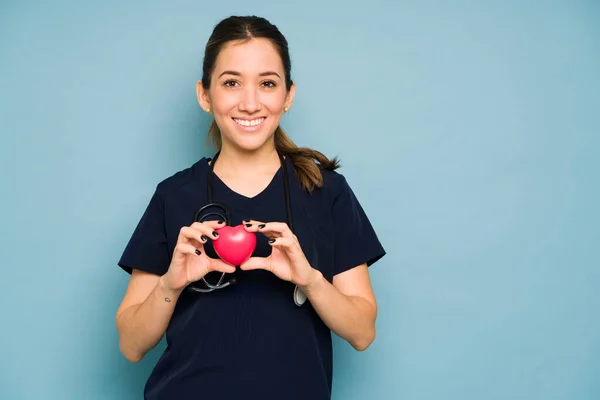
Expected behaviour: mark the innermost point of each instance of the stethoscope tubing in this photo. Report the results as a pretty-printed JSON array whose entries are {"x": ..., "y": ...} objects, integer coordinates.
[{"x": 198, "y": 217}]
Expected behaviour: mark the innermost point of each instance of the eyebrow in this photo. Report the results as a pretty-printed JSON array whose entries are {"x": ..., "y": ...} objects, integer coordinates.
[{"x": 266, "y": 73}]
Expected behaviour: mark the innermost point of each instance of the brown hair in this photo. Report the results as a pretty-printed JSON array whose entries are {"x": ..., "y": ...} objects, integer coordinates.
[{"x": 307, "y": 162}]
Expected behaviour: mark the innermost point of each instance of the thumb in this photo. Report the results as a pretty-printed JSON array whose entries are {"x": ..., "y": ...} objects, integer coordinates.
[
  {"x": 255, "y": 263},
  {"x": 221, "y": 266}
]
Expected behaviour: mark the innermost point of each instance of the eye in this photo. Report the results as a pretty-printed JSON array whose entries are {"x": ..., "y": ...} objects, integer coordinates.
[
  {"x": 230, "y": 83},
  {"x": 269, "y": 84}
]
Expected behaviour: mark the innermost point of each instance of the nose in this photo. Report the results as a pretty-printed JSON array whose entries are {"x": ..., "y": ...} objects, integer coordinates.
[{"x": 250, "y": 100}]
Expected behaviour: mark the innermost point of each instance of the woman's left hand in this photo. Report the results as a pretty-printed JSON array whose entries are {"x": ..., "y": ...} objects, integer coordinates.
[{"x": 287, "y": 260}]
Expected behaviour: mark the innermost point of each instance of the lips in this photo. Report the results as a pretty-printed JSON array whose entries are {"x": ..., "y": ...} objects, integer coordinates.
[{"x": 249, "y": 123}]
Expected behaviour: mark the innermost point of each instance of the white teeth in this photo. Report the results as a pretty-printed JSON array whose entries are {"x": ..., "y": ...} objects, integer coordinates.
[{"x": 253, "y": 122}]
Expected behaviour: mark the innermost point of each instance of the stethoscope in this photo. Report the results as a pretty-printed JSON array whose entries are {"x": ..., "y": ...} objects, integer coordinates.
[{"x": 299, "y": 297}]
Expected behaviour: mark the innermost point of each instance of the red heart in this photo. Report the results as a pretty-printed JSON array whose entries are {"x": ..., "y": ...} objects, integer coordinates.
[{"x": 234, "y": 245}]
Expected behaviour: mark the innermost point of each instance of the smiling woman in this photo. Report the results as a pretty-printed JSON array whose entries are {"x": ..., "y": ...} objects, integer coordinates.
[
  {"x": 249, "y": 94},
  {"x": 266, "y": 333}
]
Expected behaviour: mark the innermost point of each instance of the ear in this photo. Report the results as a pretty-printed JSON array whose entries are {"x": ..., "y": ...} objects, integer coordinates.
[
  {"x": 289, "y": 100},
  {"x": 203, "y": 98}
]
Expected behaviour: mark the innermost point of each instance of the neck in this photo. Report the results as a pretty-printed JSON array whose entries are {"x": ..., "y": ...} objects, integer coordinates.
[{"x": 240, "y": 162}]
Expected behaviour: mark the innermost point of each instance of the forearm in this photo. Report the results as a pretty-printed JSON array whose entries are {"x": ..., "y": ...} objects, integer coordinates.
[
  {"x": 350, "y": 317},
  {"x": 141, "y": 326}
]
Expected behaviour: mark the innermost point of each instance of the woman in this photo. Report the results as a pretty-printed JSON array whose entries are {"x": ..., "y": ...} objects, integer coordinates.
[{"x": 268, "y": 335}]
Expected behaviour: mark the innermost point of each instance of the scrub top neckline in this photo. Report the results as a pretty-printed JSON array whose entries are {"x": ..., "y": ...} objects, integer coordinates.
[{"x": 264, "y": 191}]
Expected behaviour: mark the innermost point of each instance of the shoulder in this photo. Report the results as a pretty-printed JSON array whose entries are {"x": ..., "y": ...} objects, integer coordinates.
[
  {"x": 181, "y": 179},
  {"x": 334, "y": 184}
]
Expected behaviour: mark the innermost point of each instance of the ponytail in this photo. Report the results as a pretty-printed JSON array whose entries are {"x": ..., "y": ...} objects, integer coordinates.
[{"x": 304, "y": 159}]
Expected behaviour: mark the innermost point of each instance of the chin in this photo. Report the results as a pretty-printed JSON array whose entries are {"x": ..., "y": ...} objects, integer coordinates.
[
  {"x": 251, "y": 145},
  {"x": 251, "y": 141}
]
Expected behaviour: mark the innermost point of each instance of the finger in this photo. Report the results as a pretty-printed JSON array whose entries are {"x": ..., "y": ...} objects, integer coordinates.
[
  {"x": 255, "y": 263},
  {"x": 277, "y": 229},
  {"x": 256, "y": 226},
  {"x": 208, "y": 229},
  {"x": 251, "y": 225},
  {"x": 211, "y": 224},
  {"x": 191, "y": 236},
  {"x": 185, "y": 248},
  {"x": 197, "y": 236},
  {"x": 282, "y": 242},
  {"x": 216, "y": 264}
]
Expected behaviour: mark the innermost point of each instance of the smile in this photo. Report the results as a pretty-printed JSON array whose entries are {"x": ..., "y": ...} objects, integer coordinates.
[{"x": 249, "y": 123}]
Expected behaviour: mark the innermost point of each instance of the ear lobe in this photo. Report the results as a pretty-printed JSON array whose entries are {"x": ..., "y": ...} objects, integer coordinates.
[
  {"x": 290, "y": 96},
  {"x": 202, "y": 95}
]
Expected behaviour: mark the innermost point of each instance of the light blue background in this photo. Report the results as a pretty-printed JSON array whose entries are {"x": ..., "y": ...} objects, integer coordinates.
[{"x": 468, "y": 130}]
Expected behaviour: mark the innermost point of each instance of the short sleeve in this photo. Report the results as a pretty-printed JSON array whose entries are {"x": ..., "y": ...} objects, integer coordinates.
[
  {"x": 147, "y": 249},
  {"x": 356, "y": 242}
]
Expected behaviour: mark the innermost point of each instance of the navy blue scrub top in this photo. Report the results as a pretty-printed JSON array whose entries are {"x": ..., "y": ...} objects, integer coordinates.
[{"x": 250, "y": 340}]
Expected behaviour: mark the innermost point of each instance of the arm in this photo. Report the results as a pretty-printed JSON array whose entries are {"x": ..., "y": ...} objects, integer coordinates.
[
  {"x": 149, "y": 302},
  {"x": 348, "y": 306},
  {"x": 144, "y": 314}
]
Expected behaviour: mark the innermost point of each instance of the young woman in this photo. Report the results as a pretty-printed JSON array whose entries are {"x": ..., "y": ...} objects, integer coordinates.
[{"x": 260, "y": 329}]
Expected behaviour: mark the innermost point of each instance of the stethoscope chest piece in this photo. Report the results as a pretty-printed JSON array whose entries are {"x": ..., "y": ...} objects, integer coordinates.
[{"x": 299, "y": 296}]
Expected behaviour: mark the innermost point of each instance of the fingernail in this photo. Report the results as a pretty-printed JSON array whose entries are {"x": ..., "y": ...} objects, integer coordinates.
[
  {"x": 248, "y": 225},
  {"x": 271, "y": 241},
  {"x": 261, "y": 226},
  {"x": 215, "y": 234},
  {"x": 204, "y": 238},
  {"x": 198, "y": 252},
  {"x": 220, "y": 221}
]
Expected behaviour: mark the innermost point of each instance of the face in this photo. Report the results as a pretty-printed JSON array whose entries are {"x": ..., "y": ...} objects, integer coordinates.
[{"x": 247, "y": 94}]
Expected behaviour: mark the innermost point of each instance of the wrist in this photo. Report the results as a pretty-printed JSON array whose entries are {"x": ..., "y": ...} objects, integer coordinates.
[
  {"x": 313, "y": 282},
  {"x": 165, "y": 291}
]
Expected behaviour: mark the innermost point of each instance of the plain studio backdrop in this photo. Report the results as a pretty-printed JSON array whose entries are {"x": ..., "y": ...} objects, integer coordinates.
[{"x": 468, "y": 130}]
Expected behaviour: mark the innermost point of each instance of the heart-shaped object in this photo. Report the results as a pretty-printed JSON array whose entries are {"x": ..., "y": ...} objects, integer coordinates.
[{"x": 235, "y": 245}]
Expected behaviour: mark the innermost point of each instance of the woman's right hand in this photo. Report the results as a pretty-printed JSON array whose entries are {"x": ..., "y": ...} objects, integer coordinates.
[{"x": 190, "y": 262}]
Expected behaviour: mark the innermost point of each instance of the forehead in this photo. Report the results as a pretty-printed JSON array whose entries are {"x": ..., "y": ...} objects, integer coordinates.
[{"x": 249, "y": 57}]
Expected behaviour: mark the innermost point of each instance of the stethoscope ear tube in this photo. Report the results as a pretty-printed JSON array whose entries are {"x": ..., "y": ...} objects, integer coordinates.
[{"x": 226, "y": 217}]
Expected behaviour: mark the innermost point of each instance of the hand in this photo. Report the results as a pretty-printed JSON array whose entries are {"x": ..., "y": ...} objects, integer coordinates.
[
  {"x": 287, "y": 260},
  {"x": 190, "y": 262}
]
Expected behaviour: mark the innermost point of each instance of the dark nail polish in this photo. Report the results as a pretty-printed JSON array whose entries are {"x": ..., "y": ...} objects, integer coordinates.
[
  {"x": 204, "y": 238},
  {"x": 215, "y": 234},
  {"x": 271, "y": 241},
  {"x": 220, "y": 222},
  {"x": 261, "y": 226},
  {"x": 198, "y": 252},
  {"x": 248, "y": 225}
]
